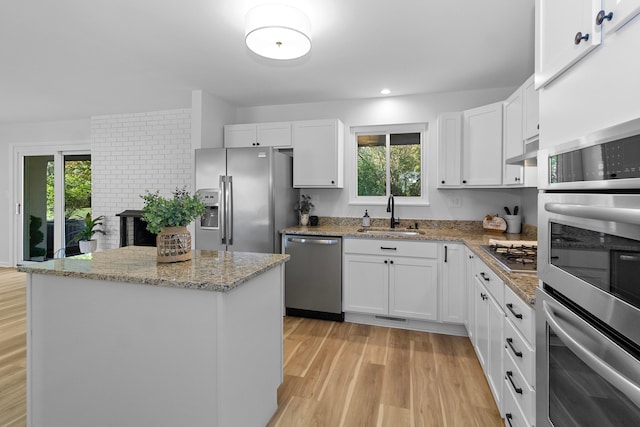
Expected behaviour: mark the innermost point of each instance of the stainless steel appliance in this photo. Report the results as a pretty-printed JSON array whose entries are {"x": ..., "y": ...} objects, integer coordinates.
[
  {"x": 249, "y": 197},
  {"x": 313, "y": 277},
  {"x": 588, "y": 304}
]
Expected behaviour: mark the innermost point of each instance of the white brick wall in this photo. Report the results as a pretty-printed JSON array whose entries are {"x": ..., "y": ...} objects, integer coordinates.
[{"x": 135, "y": 153}]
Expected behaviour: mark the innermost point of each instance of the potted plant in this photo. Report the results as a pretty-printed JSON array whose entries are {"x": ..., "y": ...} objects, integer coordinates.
[
  {"x": 168, "y": 218},
  {"x": 304, "y": 206},
  {"x": 85, "y": 236}
]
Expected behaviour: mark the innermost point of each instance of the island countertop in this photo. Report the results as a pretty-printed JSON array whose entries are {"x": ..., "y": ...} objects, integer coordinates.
[{"x": 208, "y": 270}]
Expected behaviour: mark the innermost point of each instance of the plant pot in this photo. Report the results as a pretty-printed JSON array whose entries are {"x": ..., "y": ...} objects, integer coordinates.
[
  {"x": 174, "y": 244},
  {"x": 304, "y": 219},
  {"x": 88, "y": 246}
]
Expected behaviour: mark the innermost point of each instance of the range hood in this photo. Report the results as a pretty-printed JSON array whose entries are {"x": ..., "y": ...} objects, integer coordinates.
[{"x": 529, "y": 158}]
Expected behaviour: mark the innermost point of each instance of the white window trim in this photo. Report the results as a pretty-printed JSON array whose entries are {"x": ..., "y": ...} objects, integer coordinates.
[{"x": 352, "y": 157}]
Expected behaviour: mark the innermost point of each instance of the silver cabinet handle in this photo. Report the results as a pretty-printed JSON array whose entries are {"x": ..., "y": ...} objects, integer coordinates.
[
  {"x": 588, "y": 356},
  {"x": 230, "y": 208},
  {"x": 223, "y": 213},
  {"x": 626, "y": 215},
  {"x": 313, "y": 241}
]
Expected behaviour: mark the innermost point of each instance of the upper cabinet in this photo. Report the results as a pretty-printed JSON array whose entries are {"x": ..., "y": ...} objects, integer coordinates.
[
  {"x": 482, "y": 145},
  {"x": 258, "y": 135},
  {"x": 616, "y": 13},
  {"x": 318, "y": 154},
  {"x": 512, "y": 134},
  {"x": 530, "y": 111},
  {"x": 449, "y": 149},
  {"x": 567, "y": 31}
]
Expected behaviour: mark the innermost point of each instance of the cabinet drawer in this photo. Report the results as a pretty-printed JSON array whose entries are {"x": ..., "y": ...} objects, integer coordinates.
[
  {"x": 391, "y": 247},
  {"x": 520, "y": 390},
  {"x": 513, "y": 416},
  {"x": 520, "y": 351},
  {"x": 491, "y": 281},
  {"x": 520, "y": 314}
]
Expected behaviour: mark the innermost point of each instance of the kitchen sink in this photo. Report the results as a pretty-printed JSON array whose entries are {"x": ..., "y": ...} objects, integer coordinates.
[{"x": 391, "y": 231}]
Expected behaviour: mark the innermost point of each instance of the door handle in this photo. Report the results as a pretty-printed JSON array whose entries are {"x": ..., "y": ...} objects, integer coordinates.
[
  {"x": 516, "y": 352},
  {"x": 626, "y": 215},
  {"x": 313, "y": 241},
  {"x": 223, "y": 213},
  {"x": 230, "y": 209}
]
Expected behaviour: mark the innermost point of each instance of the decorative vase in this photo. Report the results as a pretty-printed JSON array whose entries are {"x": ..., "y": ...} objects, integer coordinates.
[
  {"x": 88, "y": 246},
  {"x": 174, "y": 244},
  {"x": 304, "y": 218}
]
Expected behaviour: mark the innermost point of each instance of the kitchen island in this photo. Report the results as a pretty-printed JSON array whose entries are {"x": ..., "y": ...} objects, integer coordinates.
[{"x": 114, "y": 338}]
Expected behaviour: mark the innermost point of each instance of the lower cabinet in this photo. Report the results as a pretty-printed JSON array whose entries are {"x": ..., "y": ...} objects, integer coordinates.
[
  {"x": 470, "y": 280},
  {"x": 489, "y": 318},
  {"x": 390, "y": 278},
  {"x": 453, "y": 283}
]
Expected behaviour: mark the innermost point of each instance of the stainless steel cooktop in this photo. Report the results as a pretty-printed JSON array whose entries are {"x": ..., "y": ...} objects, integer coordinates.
[{"x": 514, "y": 259}]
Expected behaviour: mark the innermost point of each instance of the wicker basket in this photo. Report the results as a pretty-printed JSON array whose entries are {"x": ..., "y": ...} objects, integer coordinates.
[{"x": 174, "y": 244}]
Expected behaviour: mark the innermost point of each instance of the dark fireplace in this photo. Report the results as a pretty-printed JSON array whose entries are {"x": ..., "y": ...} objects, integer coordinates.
[{"x": 133, "y": 231}]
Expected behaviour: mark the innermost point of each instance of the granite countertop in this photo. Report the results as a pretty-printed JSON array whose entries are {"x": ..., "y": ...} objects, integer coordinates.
[
  {"x": 208, "y": 270},
  {"x": 524, "y": 285}
]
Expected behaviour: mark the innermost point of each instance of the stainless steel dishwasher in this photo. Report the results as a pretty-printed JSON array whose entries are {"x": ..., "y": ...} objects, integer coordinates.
[{"x": 313, "y": 277}]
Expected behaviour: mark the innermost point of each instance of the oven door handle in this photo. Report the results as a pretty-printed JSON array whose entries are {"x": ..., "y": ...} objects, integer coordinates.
[
  {"x": 617, "y": 379},
  {"x": 603, "y": 213}
]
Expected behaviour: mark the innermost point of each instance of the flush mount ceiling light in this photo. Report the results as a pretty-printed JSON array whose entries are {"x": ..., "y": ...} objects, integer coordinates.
[
  {"x": 385, "y": 91},
  {"x": 277, "y": 31}
]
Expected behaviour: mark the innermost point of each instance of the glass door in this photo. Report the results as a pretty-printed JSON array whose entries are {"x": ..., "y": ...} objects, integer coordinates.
[{"x": 56, "y": 194}]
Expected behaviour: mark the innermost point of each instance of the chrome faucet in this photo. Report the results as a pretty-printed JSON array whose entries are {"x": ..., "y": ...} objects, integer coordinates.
[{"x": 391, "y": 208}]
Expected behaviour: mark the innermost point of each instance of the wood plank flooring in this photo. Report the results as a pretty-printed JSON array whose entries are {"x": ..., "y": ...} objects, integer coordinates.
[
  {"x": 13, "y": 348},
  {"x": 345, "y": 374},
  {"x": 336, "y": 374}
]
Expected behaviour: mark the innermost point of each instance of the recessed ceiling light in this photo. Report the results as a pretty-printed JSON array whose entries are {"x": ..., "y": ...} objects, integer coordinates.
[{"x": 385, "y": 91}]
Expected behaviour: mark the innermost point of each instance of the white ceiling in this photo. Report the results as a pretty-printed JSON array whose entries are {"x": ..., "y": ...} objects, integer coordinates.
[{"x": 69, "y": 59}]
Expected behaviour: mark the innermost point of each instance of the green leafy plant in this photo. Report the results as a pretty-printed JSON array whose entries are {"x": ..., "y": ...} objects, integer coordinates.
[
  {"x": 304, "y": 205},
  {"x": 178, "y": 211},
  {"x": 89, "y": 229},
  {"x": 35, "y": 237}
]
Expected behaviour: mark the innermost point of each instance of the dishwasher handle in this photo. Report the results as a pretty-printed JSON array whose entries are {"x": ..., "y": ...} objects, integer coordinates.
[{"x": 312, "y": 241}]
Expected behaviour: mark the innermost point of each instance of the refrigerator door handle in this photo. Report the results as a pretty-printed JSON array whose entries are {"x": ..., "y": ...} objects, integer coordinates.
[
  {"x": 223, "y": 215},
  {"x": 230, "y": 208}
]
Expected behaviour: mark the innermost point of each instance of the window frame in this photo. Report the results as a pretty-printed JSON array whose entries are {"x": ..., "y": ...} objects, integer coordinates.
[{"x": 421, "y": 128}]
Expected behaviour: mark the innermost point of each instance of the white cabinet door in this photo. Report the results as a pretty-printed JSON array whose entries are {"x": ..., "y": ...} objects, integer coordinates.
[
  {"x": 258, "y": 135},
  {"x": 365, "y": 284},
  {"x": 413, "y": 288},
  {"x": 622, "y": 11},
  {"x": 318, "y": 158},
  {"x": 560, "y": 24},
  {"x": 453, "y": 283},
  {"x": 512, "y": 137},
  {"x": 240, "y": 135},
  {"x": 481, "y": 304},
  {"x": 482, "y": 147},
  {"x": 530, "y": 110},
  {"x": 449, "y": 149},
  {"x": 495, "y": 371},
  {"x": 470, "y": 280}
]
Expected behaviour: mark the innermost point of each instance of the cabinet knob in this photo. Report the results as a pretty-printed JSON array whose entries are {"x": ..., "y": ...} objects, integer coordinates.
[
  {"x": 385, "y": 261},
  {"x": 391, "y": 262},
  {"x": 579, "y": 37},
  {"x": 333, "y": 182},
  {"x": 442, "y": 181},
  {"x": 464, "y": 181},
  {"x": 254, "y": 144},
  {"x": 601, "y": 16}
]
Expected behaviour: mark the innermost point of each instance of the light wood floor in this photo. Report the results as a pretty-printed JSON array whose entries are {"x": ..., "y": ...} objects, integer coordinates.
[
  {"x": 345, "y": 374},
  {"x": 336, "y": 374},
  {"x": 13, "y": 348}
]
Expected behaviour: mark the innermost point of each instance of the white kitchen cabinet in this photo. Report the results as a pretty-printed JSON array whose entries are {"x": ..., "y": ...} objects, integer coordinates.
[
  {"x": 622, "y": 11},
  {"x": 258, "y": 135},
  {"x": 390, "y": 277},
  {"x": 512, "y": 137},
  {"x": 449, "y": 149},
  {"x": 530, "y": 111},
  {"x": 566, "y": 31},
  {"x": 454, "y": 287},
  {"x": 482, "y": 146},
  {"x": 489, "y": 318},
  {"x": 318, "y": 154},
  {"x": 470, "y": 280}
]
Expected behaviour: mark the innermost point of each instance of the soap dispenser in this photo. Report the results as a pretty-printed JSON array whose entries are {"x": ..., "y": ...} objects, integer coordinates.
[{"x": 366, "y": 221}]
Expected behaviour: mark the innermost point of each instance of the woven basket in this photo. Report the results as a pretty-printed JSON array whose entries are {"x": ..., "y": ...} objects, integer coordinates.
[{"x": 174, "y": 244}]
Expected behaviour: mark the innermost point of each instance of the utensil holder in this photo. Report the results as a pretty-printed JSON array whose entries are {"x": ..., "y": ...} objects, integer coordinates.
[{"x": 514, "y": 223}]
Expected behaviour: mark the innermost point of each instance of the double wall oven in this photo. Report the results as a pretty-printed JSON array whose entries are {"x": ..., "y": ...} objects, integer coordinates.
[{"x": 588, "y": 302}]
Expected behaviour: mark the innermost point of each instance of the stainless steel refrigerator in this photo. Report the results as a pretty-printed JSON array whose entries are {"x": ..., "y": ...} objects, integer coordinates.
[{"x": 249, "y": 197}]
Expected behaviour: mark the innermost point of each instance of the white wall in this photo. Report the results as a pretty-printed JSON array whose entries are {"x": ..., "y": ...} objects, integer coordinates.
[
  {"x": 209, "y": 114},
  {"x": 135, "y": 153},
  {"x": 408, "y": 109},
  {"x": 19, "y": 136}
]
